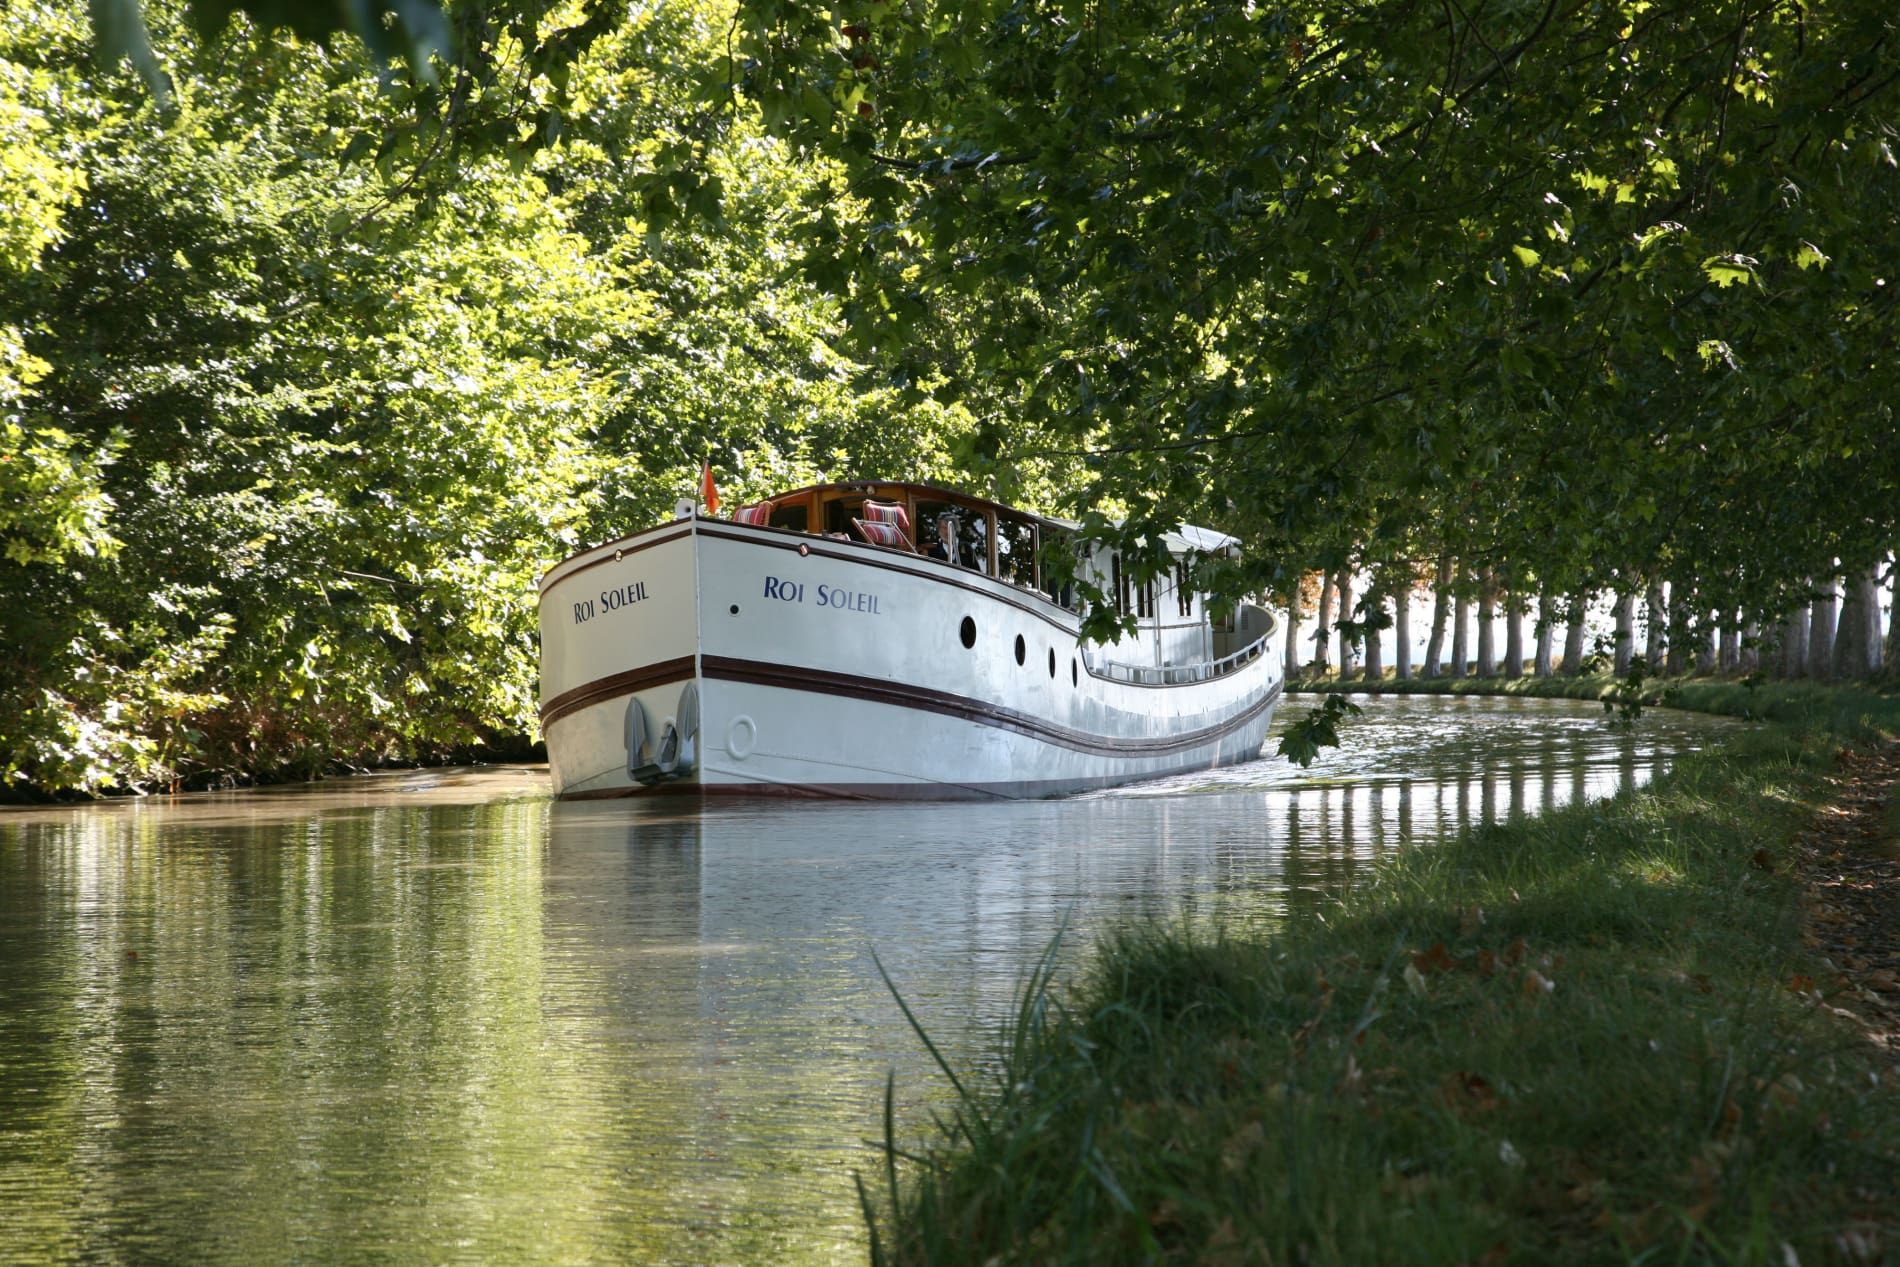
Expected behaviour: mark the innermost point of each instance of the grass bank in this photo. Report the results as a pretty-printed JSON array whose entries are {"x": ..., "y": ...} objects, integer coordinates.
[{"x": 1595, "y": 1036}]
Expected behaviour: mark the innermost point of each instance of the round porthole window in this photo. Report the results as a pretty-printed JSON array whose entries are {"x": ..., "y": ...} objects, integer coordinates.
[
  {"x": 1052, "y": 661},
  {"x": 1022, "y": 649},
  {"x": 968, "y": 632}
]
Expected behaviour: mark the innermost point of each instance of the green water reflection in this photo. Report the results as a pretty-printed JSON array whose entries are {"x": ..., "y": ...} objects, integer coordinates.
[{"x": 440, "y": 1019}]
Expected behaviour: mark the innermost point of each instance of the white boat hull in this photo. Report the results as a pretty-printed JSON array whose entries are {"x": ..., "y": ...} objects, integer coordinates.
[{"x": 832, "y": 668}]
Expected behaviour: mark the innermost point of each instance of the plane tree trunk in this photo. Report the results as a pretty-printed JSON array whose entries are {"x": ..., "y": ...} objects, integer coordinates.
[
  {"x": 1573, "y": 637},
  {"x": 1487, "y": 623},
  {"x": 1460, "y": 641},
  {"x": 1348, "y": 657},
  {"x": 1821, "y": 614},
  {"x": 1546, "y": 627},
  {"x": 1402, "y": 629},
  {"x": 1441, "y": 610},
  {"x": 1513, "y": 634},
  {"x": 1322, "y": 629},
  {"x": 1857, "y": 645},
  {"x": 1656, "y": 617},
  {"x": 1375, "y": 651},
  {"x": 1794, "y": 644},
  {"x": 1625, "y": 630}
]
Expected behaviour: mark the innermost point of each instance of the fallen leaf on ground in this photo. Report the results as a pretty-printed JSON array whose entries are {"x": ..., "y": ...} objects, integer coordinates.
[
  {"x": 1437, "y": 959},
  {"x": 1536, "y": 984}
]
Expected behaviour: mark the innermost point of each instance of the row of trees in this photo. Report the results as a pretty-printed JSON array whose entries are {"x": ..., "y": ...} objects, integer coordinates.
[
  {"x": 1837, "y": 634},
  {"x": 312, "y": 354}
]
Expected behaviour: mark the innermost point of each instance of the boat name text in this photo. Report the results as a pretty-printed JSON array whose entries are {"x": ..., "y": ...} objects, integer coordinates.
[
  {"x": 825, "y": 596},
  {"x": 611, "y": 600}
]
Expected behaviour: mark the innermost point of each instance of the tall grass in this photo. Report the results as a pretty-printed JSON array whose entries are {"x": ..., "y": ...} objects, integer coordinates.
[{"x": 1591, "y": 1037}]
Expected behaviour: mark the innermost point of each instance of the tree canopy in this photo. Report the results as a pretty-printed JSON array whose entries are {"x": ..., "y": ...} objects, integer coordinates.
[
  {"x": 319, "y": 340},
  {"x": 1580, "y": 285}
]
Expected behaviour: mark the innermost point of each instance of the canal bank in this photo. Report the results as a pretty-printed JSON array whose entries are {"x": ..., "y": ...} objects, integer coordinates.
[{"x": 1610, "y": 1033}]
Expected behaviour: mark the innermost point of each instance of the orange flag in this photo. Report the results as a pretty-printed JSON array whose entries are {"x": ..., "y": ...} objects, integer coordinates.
[{"x": 708, "y": 491}]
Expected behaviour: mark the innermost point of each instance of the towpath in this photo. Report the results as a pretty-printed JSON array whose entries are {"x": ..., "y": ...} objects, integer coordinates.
[{"x": 1850, "y": 861}]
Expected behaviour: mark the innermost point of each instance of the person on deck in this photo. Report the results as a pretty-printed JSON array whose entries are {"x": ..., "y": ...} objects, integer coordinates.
[{"x": 945, "y": 546}]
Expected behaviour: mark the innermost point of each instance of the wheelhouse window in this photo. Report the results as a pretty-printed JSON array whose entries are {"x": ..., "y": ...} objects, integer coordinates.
[
  {"x": 1055, "y": 540},
  {"x": 954, "y": 532},
  {"x": 793, "y": 515},
  {"x": 840, "y": 511},
  {"x": 1016, "y": 551}
]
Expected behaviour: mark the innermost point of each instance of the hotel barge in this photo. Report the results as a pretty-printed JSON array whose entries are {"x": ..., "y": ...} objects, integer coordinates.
[{"x": 884, "y": 640}]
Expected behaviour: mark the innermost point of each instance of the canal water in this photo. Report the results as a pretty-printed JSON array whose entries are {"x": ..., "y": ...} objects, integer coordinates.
[{"x": 436, "y": 1018}]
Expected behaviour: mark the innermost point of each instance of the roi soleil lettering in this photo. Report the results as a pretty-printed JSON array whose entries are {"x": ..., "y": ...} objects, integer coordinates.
[
  {"x": 823, "y": 596},
  {"x": 610, "y": 600}
]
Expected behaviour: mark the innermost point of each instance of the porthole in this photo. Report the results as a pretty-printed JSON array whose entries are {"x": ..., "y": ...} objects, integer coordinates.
[
  {"x": 735, "y": 609},
  {"x": 1022, "y": 649},
  {"x": 1052, "y": 661},
  {"x": 1075, "y": 675},
  {"x": 968, "y": 632}
]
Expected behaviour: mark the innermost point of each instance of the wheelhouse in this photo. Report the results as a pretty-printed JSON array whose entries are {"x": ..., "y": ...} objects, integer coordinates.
[{"x": 1173, "y": 625}]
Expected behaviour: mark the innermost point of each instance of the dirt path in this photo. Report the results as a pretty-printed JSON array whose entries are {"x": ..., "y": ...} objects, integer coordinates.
[{"x": 1851, "y": 865}]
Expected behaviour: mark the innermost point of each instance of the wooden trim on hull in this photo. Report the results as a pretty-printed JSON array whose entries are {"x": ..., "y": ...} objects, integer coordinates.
[
  {"x": 603, "y": 689},
  {"x": 621, "y": 548}
]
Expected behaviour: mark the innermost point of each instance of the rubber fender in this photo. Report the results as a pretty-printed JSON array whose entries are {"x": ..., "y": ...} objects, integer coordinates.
[
  {"x": 666, "y": 756},
  {"x": 688, "y": 710},
  {"x": 637, "y": 734},
  {"x": 687, "y": 724}
]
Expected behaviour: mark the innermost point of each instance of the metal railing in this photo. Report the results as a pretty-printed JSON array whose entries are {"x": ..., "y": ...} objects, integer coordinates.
[{"x": 1177, "y": 674}]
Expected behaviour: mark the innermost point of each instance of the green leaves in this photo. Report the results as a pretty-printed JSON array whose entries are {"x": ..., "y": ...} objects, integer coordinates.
[{"x": 1302, "y": 741}]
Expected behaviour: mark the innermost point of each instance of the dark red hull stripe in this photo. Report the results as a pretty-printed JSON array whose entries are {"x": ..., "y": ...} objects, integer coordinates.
[
  {"x": 903, "y": 695},
  {"x": 896, "y": 694},
  {"x": 602, "y": 689}
]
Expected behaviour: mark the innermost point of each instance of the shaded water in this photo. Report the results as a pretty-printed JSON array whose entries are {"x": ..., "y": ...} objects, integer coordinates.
[{"x": 437, "y": 1018}]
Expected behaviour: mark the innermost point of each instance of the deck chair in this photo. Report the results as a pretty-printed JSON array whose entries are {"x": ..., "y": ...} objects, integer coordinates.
[
  {"x": 885, "y": 524},
  {"x": 880, "y": 533},
  {"x": 758, "y": 514}
]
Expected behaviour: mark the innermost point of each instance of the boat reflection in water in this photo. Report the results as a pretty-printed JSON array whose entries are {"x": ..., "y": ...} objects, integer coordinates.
[{"x": 439, "y": 1017}]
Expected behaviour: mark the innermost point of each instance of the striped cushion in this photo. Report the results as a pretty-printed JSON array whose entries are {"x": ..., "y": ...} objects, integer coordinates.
[
  {"x": 759, "y": 514},
  {"x": 881, "y": 534},
  {"x": 888, "y": 513}
]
